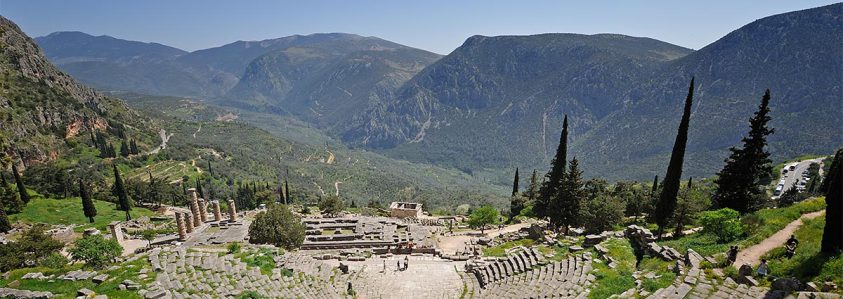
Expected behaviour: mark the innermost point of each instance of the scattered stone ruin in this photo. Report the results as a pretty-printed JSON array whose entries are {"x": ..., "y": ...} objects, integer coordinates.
[
  {"x": 364, "y": 232},
  {"x": 405, "y": 209}
]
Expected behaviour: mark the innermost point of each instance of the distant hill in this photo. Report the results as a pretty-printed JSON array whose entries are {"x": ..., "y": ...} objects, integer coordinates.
[
  {"x": 496, "y": 103},
  {"x": 327, "y": 79}
]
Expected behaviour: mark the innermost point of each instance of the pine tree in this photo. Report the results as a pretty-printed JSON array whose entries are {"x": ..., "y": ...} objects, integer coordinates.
[
  {"x": 550, "y": 187},
  {"x": 532, "y": 191},
  {"x": 24, "y": 196},
  {"x": 87, "y": 204},
  {"x": 667, "y": 201},
  {"x": 565, "y": 206},
  {"x": 515, "y": 183},
  {"x": 832, "y": 187},
  {"x": 740, "y": 185},
  {"x": 120, "y": 192}
]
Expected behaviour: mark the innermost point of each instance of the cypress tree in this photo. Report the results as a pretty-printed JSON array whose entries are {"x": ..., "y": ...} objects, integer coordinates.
[
  {"x": 550, "y": 187},
  {"x": 740, "y": 185},
  {"x": 532, "y": 191},
  {"x": 87, "y": 204},
  {"x": 24, "y": 196},
  {"x": 3, "y": 182},
  {"x": 565, "y": 208},
  {"x": 5, "y": 226},
  {"x": 120, "y": 192},
  {"x": 287, "y": 190},
  {"x": 199, "y": 189},
  {"x": 832, "y": 186},
  {"x": 667, "y": 201},
  {"x": 210, "y": 170},
  {"x": 516, "y": 201},
  {"x": 124, "y": 148}
]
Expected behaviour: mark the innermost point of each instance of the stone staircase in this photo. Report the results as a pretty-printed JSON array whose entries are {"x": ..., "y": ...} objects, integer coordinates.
[{"x": 525, "y": 274}]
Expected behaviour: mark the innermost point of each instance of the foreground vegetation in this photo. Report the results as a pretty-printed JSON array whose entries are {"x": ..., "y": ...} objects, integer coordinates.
[{"x": 809, "y": 263}]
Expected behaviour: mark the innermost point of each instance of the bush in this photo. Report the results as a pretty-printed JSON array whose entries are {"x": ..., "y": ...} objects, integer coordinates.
[
  {"x": 32, "y": 247},
  {"x": 331, "y": 205},
  {"x": 54, "y": 261},
  {"x": 96, "y": 251},
  {"x": 723, "y": 223},
  {"x": 277, "y": 226},
  {"x": 602, "y": 213},
  {"x": 234, "y": 247},
  {"x": 751, "y": 223}
]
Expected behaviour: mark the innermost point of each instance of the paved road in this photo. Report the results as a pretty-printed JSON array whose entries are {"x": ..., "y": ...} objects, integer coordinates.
[{"x": 796, "y": 174}]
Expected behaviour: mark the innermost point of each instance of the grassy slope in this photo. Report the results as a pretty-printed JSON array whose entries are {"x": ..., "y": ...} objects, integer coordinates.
[
  {"x": 618, "y": 280},
  {"x": 809, "y": 264},
  {"x": 69, "y": 211},
  {"x": 773, "y": 221},
  {"x": 67, "y": 289}
]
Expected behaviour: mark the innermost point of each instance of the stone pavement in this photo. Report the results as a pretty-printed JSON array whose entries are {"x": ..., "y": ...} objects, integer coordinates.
[{"x": 425, "y": 277}]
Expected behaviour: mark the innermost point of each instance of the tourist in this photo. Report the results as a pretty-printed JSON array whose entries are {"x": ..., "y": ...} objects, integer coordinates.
[
  {"x": 406, "y": 262},
  {"x": 762, "y": 268},
  {"x": 398, "y": 265},
  {"x": 791, "y": 246},
  {"x": 732, "y": 255},
  {"x": 384, "y": 266}
]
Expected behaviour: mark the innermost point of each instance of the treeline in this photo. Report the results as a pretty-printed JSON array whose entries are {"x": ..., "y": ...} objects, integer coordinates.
[{"x": 567, "y": 201}]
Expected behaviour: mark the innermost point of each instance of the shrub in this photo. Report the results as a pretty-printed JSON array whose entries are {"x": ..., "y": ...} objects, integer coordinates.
[
  {"x": 602, "y": 213},
  {"x": 54, "y": 261},
  {"x": 277, "y": 226},
  {"x": 751, "y": 223},
  {"x": 723, "y": 223},
  {"x": 234, "y": 247},
  {"x": 95, "y": 251},
  {"x": 32, "y": 247}
]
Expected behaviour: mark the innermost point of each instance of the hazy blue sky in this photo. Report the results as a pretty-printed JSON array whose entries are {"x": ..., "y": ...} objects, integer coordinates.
[{"x": 434, "y": 25}]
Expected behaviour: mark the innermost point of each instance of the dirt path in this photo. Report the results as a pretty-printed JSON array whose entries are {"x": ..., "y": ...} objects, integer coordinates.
[{"x": 752, "y": 255}]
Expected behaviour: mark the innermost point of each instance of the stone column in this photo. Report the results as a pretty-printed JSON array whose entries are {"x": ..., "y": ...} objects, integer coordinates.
[
  {"x": 217, "y": 213},
  {"x": 181, "y": 227},
  {"x": 203, "y": 210},
  {"x": 188, "y": 222},
  {"x": 232, "y": 211},
  {"x": 194, "y": 207},
  {"x": 116, "y": 231}
]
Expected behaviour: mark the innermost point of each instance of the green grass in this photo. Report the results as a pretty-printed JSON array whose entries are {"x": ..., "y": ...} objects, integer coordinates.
[
  {"x": 664, "y": 277},
  {"x": 772, "y": 220},
  {"x": 67, "y": 289},
  {"x": 618, "y": 280},
  {"x": 809, "y": 264},
  {"x": 262, "y": 258},
  {"x": 500, "y": 249},
  {"x": 69, "y": 211}
]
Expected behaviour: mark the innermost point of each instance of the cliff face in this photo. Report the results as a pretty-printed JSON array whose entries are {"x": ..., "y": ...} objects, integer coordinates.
[{"x": 42, "y": 107}]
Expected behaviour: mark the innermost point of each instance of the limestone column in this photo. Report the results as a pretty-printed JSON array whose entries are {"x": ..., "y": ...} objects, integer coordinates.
[
  {"x": 181, "y": 227},
  {"x": 217, "y": 213},
  {"x": 188, "y": 222},
  {"x": 203, "y": 211},
  {"x": 194, "y": 207},
  {"x": 232, "y": 211}
]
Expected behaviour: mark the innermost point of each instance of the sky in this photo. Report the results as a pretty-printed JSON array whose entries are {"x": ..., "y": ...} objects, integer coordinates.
[{"x": 439, "y": 26}]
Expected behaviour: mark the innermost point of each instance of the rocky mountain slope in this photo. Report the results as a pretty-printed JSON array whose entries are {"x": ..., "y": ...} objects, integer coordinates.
[{"x": 42, "y": 107}]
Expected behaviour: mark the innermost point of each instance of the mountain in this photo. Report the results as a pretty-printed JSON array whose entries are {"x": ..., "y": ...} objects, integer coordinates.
[
  {"x": 499, "y": 101},
  {"x": 328, "y": 78},
  {"x": 72, "y": 46},
  {"x": 42, "y": 108},
  {"x": 790, "y": 54},
  {"x": 49, "y": 120}
]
